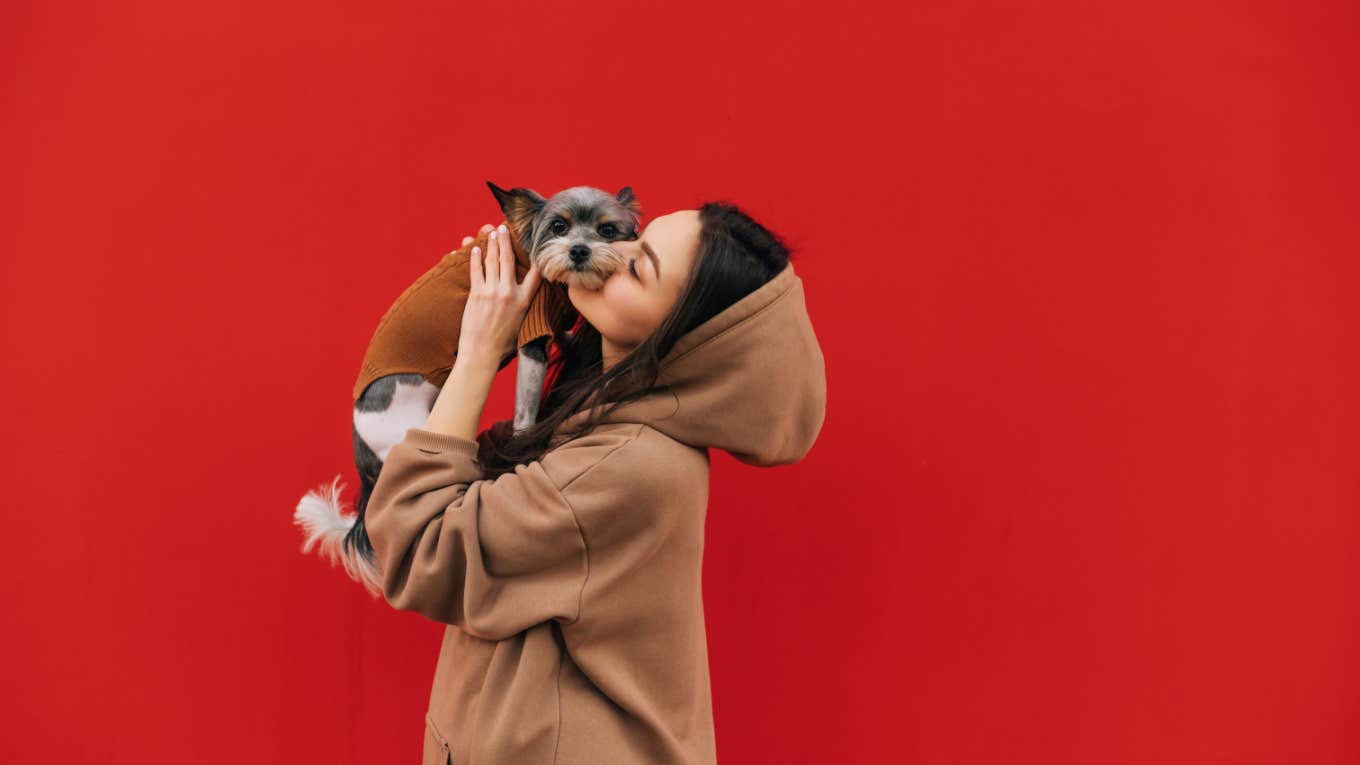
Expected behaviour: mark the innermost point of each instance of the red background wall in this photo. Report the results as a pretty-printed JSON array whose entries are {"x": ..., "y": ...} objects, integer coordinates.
[{"x": 1084, "y": 274}]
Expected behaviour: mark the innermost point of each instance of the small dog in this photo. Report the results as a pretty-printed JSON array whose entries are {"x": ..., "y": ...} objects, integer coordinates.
[{"x": 412, "y": 351}]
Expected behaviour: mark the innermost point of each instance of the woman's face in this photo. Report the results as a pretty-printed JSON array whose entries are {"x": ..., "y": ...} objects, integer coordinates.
[{"x": 627, "y": 307}]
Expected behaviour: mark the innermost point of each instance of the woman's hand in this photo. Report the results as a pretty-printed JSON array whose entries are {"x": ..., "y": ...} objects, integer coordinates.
[
  {"x": 491, "y": 320},
  {"x": 496, "y": 303}
]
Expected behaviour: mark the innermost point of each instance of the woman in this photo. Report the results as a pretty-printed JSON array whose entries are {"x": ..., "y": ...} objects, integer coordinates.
[{"x": 567, "y": 559}]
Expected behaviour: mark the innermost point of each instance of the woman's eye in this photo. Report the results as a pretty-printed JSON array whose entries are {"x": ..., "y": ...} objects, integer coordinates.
[
  {"x": 559, "y": 227},
  {"x": 632, "y": 266},
  {"x": 608, "y": 231}
]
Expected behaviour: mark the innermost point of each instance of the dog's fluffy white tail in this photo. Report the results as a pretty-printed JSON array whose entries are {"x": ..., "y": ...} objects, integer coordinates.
[{"x": 318, "y": 515}]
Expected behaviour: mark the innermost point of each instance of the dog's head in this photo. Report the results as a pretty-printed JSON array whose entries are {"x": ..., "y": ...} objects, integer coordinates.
[{"x": 569, "y": 234}]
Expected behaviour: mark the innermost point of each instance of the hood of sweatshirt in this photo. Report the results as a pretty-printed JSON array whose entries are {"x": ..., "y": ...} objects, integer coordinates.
[{"x": 750, "y": 381}]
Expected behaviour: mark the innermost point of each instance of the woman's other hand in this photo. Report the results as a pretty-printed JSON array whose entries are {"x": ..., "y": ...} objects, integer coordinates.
[
  {"x": 486, "y": 227},
  {"x": 496, "y": 303}
]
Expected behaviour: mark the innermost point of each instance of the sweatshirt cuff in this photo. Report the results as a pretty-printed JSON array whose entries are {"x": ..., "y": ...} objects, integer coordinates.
[{"x": 441, "y": 442}]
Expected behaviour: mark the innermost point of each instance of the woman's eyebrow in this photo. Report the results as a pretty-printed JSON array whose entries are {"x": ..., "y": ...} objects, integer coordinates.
[{"x": 656, "y": 262}]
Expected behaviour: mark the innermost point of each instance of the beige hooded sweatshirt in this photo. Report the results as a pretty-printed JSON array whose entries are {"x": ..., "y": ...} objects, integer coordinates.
[{"x": 572, "y": 586}]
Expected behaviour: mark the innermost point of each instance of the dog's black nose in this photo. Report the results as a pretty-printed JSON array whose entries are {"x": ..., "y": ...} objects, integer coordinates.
[{"x": 579, "y": 253}]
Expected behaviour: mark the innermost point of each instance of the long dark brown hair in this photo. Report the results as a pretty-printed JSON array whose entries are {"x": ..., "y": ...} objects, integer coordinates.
[{"x": 736, "y": 255}]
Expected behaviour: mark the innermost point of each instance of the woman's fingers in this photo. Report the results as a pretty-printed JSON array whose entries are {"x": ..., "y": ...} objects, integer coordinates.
[
  {"x": 492, "y": 266},
  {"x": 483, "y": 273},
  {"x": 494, "y": 269},
  {"x": 507, "y": 259},
  {"x": 530, "y": 283}
]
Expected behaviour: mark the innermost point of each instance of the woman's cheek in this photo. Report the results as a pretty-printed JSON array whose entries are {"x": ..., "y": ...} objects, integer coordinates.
[{"x": 614, "y": 293}]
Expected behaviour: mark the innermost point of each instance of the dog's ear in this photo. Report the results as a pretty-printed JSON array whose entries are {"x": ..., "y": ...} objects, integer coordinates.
[
  {"x": 519, "y": 205},
  {"x": 626, "y": 198}
]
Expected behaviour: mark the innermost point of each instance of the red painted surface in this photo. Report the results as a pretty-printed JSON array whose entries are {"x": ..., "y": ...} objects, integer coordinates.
[{"x": 1085, "y": 275}]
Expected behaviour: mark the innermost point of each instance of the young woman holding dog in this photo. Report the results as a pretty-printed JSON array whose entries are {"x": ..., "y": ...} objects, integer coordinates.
[{"x": 567, "y": 559}]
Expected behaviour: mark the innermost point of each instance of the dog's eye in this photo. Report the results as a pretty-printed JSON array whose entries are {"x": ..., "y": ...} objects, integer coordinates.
[
  {"x": 608, "y": 231},
  {"x": 559, "y": 227}
]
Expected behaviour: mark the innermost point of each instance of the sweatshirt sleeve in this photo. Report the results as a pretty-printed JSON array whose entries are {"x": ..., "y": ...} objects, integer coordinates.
[{"x": 492, "y": 557}]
